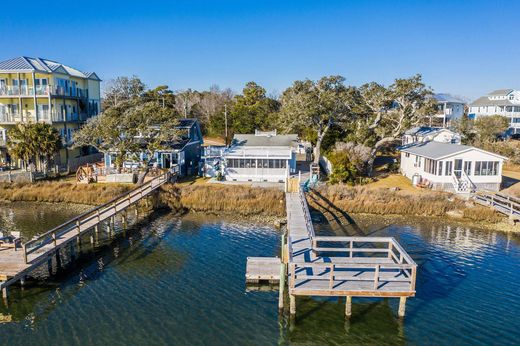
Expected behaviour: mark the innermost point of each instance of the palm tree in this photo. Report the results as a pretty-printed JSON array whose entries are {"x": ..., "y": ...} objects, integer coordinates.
[{"x": 32, "y": 143}]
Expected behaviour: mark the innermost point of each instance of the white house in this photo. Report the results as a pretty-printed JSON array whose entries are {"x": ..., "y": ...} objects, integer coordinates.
[
  {"x": 451, "y": 167},
  {"x": 448, "y": 108},
  {"x": 263, "y": 156},
  {"x": 504, "y": 102},
  {"x": 425, "y": 134}
]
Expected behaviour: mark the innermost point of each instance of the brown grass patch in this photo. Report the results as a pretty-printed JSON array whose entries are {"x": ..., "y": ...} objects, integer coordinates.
[
  {"x": 222, "y": 199},
  {"x": 59, "y": 192},
  {"x": 384, "y": 202}
]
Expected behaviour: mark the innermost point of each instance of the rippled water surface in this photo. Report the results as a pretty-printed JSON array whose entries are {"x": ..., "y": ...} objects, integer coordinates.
[{"x": 175, "y": 280}]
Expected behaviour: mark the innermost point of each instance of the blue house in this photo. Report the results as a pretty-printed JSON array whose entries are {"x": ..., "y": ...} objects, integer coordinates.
[{"x": 182, "y": 155}]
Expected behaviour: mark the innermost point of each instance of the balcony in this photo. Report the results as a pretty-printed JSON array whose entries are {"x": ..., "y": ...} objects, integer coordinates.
[
  {"x": 45, "y": 116},
  {"x": 42, "y": 90}
]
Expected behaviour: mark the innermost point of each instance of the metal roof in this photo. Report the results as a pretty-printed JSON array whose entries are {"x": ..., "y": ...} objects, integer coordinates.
[
  {"x": 24, "y": 64},
  {"x": 437, "y": 150},
  {"x": 424, "y": 130},
  {"x": 447, "y": 98},
  {"x": 250, "y": 140}
]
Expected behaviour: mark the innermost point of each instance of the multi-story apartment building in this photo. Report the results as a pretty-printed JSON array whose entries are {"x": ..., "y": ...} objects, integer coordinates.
[
  {"x": 448, "y": 108},
  {"x": 42, "y": 90},
  {"x": 504, "y": 102}
]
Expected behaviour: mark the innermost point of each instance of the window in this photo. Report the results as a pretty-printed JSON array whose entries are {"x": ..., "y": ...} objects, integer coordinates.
[
  {"x": 449, "y": 166},
  {"x": 417, "y": 161},
  {"x": 439, "y": 168},
  {"x": 241, "y": 163},
  {"x": 430, "y": 165},
  {"x": 407, "y": 154},
  {"x": 486, "y": 168},
  {"x": 283, "y": 164},
  {"x": 467, "y": 167}
]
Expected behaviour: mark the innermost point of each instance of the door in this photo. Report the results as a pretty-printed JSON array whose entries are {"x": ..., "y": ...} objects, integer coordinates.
[
  {"x": 457, "y": 169},
  {"x": 167, "y": 160}
]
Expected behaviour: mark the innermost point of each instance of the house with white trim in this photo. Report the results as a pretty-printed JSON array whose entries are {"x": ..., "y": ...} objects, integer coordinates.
[
  {"x": 505, "y": 102},
  {"x": 451, "y": 167},
  {"x": 448, "y": 108},
  {"x": 261, "y": 157},
  {"x": 421, "y": 134}
]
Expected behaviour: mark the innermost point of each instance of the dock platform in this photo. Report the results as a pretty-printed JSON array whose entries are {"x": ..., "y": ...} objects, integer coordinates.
[
  {"x": 341, "y": 266},
  {"x": 263, "y": 269}
]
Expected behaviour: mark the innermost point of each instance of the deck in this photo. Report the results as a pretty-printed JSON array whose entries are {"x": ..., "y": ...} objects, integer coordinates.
[
  {"x": 15, "y": 264},
  {"x": 343, "y": 266}
]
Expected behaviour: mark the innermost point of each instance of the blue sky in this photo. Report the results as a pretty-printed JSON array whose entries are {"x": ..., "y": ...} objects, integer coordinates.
[{"x": 461, "y": 47}]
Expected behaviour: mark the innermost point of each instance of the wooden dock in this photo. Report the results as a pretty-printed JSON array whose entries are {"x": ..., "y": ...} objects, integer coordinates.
[
  {"x": 16, "y": 264},
  {"x": 341, "y": 266},
  {"x": 263, "y": 269},
  {"x": 506, "y": 205}
]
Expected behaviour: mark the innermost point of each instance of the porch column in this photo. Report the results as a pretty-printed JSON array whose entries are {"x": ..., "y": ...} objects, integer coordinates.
[
  {"x": 20, "y": 98},
  {"x": 34, "y": 97}
]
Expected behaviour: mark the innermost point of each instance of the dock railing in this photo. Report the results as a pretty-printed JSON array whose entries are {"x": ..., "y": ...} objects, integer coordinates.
[
  {"x": 98, "y": 214},
  {"x": 358, "y": 258},
  {"x": 507, "y": 205},
  {"x": 306, "y": 214}
]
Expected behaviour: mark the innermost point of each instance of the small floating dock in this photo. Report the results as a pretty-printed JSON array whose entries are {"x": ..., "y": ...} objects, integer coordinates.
[{"x": 263, "y": 269}]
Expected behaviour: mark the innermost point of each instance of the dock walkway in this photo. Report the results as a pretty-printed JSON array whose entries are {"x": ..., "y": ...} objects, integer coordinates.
[
  {"x": 15, "y": 264},
  {"x": 342, "y": 266}
]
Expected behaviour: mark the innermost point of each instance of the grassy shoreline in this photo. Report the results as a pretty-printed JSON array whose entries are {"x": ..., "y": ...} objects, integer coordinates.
[{"x": 265, "y": 204}]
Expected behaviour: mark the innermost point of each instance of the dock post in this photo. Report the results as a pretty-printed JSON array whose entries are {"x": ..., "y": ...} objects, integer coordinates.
[
  {"x": 92, "y": 237},
  {"x": 22, "y": 281},
  {"x": 292, "y": 303},
  {"x": 348, "y": 307},
  {"x": 402, "y": 306},
  {"x": 49, "y": 265},
  {"x": 123, "y": 220},
  {"x": 109, "y": 229},
  {"x": 4, "y": 292},
  {"x": 282, "y": 286}
]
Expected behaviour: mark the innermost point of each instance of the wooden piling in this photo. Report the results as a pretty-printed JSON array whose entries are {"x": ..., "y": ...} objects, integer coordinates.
[
  {"x": 292, "y": 303},
  {"x": 348, "y": 307},
  {"x": 4, "y": 292},
  {"x": 282, "y": 286},
  {"x": 402, "y": 306}
]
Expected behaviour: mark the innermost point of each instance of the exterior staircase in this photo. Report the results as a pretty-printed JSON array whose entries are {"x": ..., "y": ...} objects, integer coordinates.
[{"x": 463, "y": 184}]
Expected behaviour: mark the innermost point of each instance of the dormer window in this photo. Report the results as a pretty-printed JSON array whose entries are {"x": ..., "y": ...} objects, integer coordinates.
[{"x": 511, "y": 97}]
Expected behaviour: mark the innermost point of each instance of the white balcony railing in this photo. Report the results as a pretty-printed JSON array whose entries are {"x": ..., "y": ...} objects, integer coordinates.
[
  {"x": 42, "y": 90},
  {"x": 12, "y": 118}
]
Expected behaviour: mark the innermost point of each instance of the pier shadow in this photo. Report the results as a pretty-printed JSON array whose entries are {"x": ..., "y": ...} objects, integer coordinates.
[
  {"x": 134, "y": 251},
  {"x": 339, "y": 220}
]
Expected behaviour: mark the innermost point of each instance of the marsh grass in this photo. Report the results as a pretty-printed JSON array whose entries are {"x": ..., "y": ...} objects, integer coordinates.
[
  {"x": 384, "y": 202},
  {"x": 62, "y": 192},
  {"x": 227, "y": 199}
]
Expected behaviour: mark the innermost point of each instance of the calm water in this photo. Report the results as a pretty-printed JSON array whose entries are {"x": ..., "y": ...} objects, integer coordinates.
[{"x": 181, "y": 281}]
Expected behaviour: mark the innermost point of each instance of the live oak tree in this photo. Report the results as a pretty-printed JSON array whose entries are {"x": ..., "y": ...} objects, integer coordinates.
[
  {"x": 490, "y": 128},
  {"x": 134, "y": 126},
  {"x": 394, "y": 110},
  {"x": 316, "y": 106}
]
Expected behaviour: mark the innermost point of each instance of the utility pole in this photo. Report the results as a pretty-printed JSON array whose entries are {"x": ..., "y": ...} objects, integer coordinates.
[{"x": 225, "y": 121}]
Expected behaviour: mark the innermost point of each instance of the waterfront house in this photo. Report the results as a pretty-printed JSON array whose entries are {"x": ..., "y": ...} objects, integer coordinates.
[
  {"x": 261, "y": 157},
  {"x": 421, "y": 134},
  {"x": 43, "y": 90},
  {"x": 451, "y": 167},
  {"x": 182, "y": 154},
  {"x": 505, "y": 102},
  {"x": 448, "y": 108}
]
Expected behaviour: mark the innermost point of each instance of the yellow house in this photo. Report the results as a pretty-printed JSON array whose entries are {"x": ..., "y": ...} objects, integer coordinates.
[{"x": 42, "y": 90}]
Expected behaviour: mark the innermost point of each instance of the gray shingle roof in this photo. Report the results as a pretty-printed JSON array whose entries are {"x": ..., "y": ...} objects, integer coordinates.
[
  {"x": 500, "y": 92},
  {"x": 437, "y": 150},
  {"x": 24, "y": 63},
  {"x": 485, "y": 101},
  {"x": 249, "y": 140}
]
